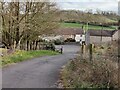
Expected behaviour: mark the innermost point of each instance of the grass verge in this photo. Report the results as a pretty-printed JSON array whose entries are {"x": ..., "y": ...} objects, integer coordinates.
[
  {"x": 20, "y": 55},
  {"x": 83, "y": 74}
]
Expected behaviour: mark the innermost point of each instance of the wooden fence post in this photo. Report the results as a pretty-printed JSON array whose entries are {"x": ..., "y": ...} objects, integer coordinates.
[
  {"x": 90, "y": 52},
  {"x": 82, "y": 47}
]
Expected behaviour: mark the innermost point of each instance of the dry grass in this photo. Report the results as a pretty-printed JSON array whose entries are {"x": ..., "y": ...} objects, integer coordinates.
[
  {"x": 101, "y": 72},
  {"x": 84, "y": 74}
]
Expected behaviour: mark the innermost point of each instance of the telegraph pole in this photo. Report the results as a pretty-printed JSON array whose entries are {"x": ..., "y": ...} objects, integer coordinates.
[{"x": 101, "y": 30}]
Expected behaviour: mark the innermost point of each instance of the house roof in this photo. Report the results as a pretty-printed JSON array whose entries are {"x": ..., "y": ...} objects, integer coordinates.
[
  {"x": 107, "y": 33},
  {"x": 73, "y": 31},
  {"x": 69, "y": 31}
]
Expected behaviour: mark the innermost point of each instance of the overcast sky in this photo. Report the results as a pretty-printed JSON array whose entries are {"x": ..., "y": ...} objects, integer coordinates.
[{"x": 104, "y": 5}]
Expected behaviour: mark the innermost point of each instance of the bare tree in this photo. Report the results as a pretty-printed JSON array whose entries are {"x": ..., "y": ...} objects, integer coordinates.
[{"x": 24, "y": 22}]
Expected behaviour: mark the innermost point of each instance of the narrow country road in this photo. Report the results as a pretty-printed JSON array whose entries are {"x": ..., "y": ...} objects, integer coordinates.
[{"x": 40, "y": 72}]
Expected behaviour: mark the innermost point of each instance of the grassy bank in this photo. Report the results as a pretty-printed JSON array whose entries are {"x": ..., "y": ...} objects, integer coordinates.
[
  {"x": 101, "y": 72},
  {"x": 19, "y": 56},
  {"x": 83, "y": 74},
  {"x": 76, "y": 25}
]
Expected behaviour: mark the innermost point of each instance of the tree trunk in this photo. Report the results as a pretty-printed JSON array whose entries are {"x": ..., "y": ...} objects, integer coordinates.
[
  {"x": 31, "y": 46},
  {"x": 27, "y": 45},
  {"x": 36, "y": 45},
  {"x": 10, "y": 26},
  {"x": 16, "y": 15}
]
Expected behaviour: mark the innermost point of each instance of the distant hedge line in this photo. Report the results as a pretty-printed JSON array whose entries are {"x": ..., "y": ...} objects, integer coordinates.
[{"x": 93, "y": 23}]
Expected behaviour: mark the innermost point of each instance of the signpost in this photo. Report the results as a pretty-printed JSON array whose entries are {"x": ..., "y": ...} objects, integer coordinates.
[{"x": 101, "y": 31}]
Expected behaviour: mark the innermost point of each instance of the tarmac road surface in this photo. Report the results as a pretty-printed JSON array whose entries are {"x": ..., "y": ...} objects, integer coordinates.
[{"x": 42, "y": 72}]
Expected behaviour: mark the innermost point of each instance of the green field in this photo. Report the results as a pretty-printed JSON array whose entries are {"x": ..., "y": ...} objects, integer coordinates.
[{"x": 76, "y": 25}]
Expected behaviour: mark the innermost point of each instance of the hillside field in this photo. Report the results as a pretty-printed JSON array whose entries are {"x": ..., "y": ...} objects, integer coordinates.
[{"x": 76, "y": 25}]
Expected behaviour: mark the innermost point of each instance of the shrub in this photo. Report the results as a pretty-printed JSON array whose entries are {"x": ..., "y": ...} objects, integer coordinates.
[
  {"x": 50, "y": 46},
  {"x": 58, "y": 42},
  {"x": 70, "y": 40}
]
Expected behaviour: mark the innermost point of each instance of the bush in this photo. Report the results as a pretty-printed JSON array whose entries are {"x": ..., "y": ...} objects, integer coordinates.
[
  {"x": 50, "y": 46},
  {"x": 70, "y": 40},
  {"x": 58, "y": 42}
]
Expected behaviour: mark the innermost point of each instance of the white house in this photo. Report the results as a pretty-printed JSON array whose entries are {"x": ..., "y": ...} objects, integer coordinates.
[
  {"x": 116, "y": 35},
  {"x": 74, "y": 33},
  {"x": 94, "y": 36}
]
